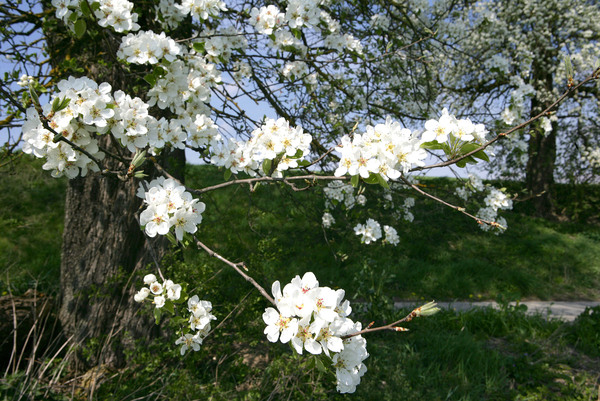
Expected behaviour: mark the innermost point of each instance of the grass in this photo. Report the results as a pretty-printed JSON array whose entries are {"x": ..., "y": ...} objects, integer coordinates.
[
  {"x": 475, "y": 355},
  {"x": 441, "y": 255},
  {"x": 31, "y": 216}
]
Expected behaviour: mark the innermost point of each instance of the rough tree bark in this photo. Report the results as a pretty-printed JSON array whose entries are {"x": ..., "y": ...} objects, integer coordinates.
[
  {"x": 539, "y": 172},
  {"x": 103, "y": 247}
]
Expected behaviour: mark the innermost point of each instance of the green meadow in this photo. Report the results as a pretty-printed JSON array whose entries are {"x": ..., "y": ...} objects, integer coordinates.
[{"x": 277, "y": 232}]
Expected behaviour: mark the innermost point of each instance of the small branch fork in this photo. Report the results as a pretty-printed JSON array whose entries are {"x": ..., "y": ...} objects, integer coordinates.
[{"x": 238, "y": 268}]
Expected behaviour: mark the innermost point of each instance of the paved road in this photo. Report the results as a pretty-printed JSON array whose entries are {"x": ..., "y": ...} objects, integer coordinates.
[{"x": 567, "y": 311}]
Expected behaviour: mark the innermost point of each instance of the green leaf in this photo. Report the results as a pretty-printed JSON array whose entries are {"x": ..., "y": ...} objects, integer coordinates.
[
  {"x": 297, "y": 155},
  {"x": 85, "y": 8},
  {"x": 481, "y": 155},
  {"x": 371, "y": 179},
  {"x": 34, "y": 95},
  {"x": 80, "y": 28},
  {"x": 266, "y": 166},
  {"x": 150, "y": 78},
  {"x": 157, "y": 315},
  {"x": 95, "y": 6},
  {"x": 178, "y": 320},
  {"x": 227, "y": 175},
  {"x": 55, "y": 104},
  {"x": 199, "y": 47},
  {"x": 73, "y": 17},
  {"x": 303, "y": 163},
  {"x": 432, "y": 145},
  {"x": 468, "y": 147},
  {"x": 462, "y": 163},
  {"x": 169, "y": 307},
  {"x": 382, "y": 181},
  {"x": 159, "y": 71},
  {"x": 354, "y": 181},
  {"x": 320, "y": 365},
  {"x": 63, "y": 105},
  {"x": 171, "y": 238}
]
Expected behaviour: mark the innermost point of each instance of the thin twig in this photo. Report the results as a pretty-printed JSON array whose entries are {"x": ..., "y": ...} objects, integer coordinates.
[
  {"x": 458, "y": 208},
  {"x": 310, "y": 177},
  {"x": 238, "y": 268}
]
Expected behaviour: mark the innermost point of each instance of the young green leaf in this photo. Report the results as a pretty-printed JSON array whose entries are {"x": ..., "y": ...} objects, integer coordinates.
[
  {"x": 382, "y": 181},
  {"x": 80, "y": 27}
]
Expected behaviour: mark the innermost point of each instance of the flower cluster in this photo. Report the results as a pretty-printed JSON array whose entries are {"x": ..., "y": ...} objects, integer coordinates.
[
  {"x": 164, "y": 297},
  {"x": 220, "y": 44},
  {"x": 200, "y": 318},
  {"x": 385, "y": 149},
  {"x": 25, "y": 80},
  {"x": 86, "y": 113},
  {"x": 341, "y": 42},
  {"x": 117, "y": 15},
  {"x": 148, "y": 48},
  {"x": 327, "y": 220},
  {"x": 315, "y": 319},
  {"x": 169, "y": 205},
  {"x": 171, "y": 16},
  {"x": 302, "y": 13},
  {"x": 339, "y": 192},
  {"x": 91, "y": 110},
  {"x": 161, "y": 292},
  {"x": 294, "y": 69},
  {"x": 275, "y": 141},
  {"x": 185, "y": 84},
  {"x": 370, "y": 231},
  {"x": 494, "y": 200},
  {"x": 266, "y": 19},
  {"x": 110, "y": 13},
  {"x": 202, "y": 9},
  {"x": 298, "y": 14},
  {"x": 131, "y": 121},
  {"x": 591, "y": 155},
  {"x": 449, "y": 126},
  {"x": 391, "y": 235}
]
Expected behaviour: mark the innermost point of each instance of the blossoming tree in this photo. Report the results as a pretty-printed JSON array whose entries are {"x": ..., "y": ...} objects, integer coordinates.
[{"x": 121, "y": 114}]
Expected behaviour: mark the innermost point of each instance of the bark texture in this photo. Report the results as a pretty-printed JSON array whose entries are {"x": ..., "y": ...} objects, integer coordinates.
[
  {"x": 102, "y": 249},
  {"x": 540, "y": 172},
  {"x": 539, "y": 176}
]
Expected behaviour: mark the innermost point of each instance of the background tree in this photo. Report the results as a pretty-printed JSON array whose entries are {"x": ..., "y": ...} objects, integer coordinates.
[{"x": 505, "y": 60}]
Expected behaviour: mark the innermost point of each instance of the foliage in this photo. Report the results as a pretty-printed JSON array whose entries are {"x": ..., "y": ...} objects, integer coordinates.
[{"x": 32, "y": 219}]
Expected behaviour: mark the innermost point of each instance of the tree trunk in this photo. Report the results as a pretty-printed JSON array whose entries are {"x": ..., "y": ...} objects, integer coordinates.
[
  {"x": 103, "y": 247},
  {"x": 540, "y": 172}
]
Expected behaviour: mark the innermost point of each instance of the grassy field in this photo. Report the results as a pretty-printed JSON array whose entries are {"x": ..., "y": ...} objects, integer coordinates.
[{"x": 442, "y": 255}]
